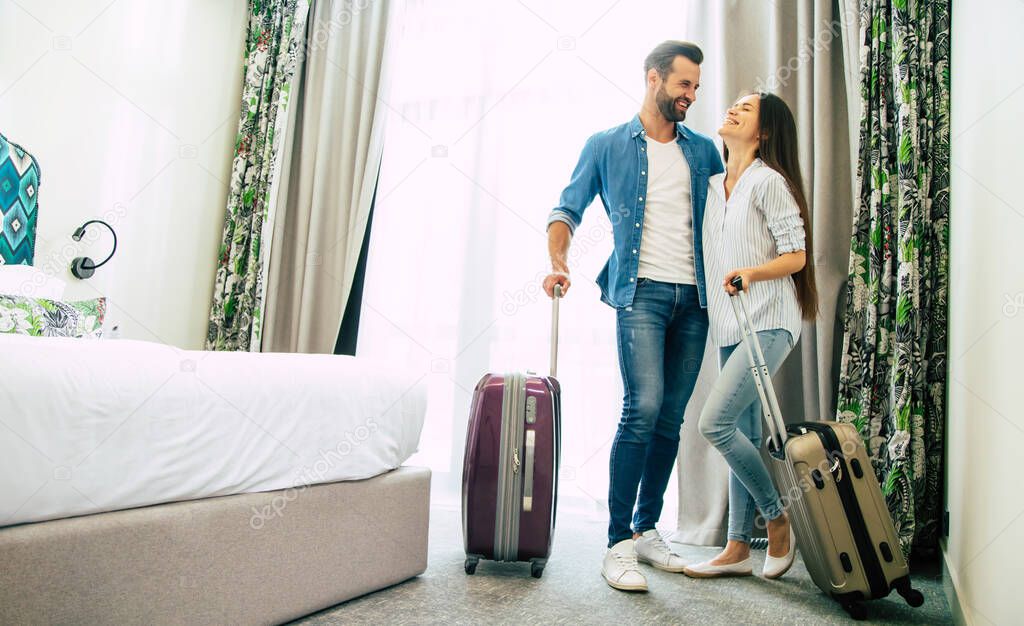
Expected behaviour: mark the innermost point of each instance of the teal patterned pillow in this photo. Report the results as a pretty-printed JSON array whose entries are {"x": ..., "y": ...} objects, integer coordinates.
[
  {"x": 39, "y": 317},
  {"x": 19, "y": 191}
]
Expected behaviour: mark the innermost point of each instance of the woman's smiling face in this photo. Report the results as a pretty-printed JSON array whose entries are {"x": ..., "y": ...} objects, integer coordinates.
[{"x": 742, "y": 119}]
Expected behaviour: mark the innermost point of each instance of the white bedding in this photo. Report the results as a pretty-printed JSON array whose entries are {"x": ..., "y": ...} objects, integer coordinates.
[{"x": 89, "y": 426}]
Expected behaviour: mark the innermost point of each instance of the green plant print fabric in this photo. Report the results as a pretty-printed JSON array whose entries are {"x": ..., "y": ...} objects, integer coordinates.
[
  {"x": 893, "y": 373},
  {"x": 275, "y": 41},
  {"x": 39, "y": 317}
]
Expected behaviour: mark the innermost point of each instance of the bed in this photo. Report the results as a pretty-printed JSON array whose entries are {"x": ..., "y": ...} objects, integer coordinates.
[{"x": 140, "y": 483}]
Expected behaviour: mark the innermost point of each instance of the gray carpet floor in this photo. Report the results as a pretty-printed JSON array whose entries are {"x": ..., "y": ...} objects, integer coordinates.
[{"x": 572, "y": 591}]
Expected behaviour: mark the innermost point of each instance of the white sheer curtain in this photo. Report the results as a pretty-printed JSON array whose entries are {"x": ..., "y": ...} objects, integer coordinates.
[{"x": 490, "y": 104}]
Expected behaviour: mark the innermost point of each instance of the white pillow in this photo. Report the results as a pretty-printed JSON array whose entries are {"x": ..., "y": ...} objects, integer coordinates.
[{"x": 25, "y": 280}]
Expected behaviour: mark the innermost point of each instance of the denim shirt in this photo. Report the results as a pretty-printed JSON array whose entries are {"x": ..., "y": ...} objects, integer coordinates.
[{"x": 614, "y": 164}]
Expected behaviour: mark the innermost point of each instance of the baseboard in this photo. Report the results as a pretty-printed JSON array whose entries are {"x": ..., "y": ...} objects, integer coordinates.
[{"x": 951, "y": 585}]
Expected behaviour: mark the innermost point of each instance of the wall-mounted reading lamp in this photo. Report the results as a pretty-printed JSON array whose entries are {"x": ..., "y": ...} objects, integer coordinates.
[{"x": 83, "y": 267}]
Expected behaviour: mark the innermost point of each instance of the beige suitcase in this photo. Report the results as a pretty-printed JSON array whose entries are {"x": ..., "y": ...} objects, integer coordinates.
[{"x": 843, "y": 529}]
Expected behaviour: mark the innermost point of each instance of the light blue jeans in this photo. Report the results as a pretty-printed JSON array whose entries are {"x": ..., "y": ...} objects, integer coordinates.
[{"x": 731, "y": 421}]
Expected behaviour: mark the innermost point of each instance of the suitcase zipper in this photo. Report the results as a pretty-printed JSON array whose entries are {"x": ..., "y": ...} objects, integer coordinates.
[
  {"x": 516, "y": 488},
  {"x": 872, "y": 567},
  {"x": 504, "y": 463},
  {"x": 506, "y": 539}
]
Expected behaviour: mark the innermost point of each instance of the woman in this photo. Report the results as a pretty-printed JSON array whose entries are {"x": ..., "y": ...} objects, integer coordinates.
[{"x": 756, "y": 227}]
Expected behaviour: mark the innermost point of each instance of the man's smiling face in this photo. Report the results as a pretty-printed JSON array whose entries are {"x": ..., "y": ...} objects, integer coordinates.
[{"x": 678, "y": 90}]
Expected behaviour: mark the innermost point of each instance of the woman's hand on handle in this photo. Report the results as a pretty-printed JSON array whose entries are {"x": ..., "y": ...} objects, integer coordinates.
[
  {"x": 783, "y": 265},
  {"x": 747, "y": 276},
  {"x": 556, "y": 278}
]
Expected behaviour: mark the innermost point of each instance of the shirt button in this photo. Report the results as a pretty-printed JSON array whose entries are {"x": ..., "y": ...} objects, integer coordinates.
[
  {"x": 641, "y": 198},
  {"x": 631, "y": 279},
  {"x": 637, "y": 224},
  {"x": 634, "y": 251},
  {"x": 643, "y": 149},
  {"x": 643, "y": 173}
]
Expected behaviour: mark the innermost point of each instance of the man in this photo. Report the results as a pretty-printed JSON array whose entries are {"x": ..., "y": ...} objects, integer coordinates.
[{"x": 652, "y": 176}]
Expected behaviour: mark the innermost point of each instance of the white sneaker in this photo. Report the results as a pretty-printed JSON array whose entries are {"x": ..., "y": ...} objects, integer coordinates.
[
  {"x": 652, "y": 549},
  {"x": 620, "y": 569}
]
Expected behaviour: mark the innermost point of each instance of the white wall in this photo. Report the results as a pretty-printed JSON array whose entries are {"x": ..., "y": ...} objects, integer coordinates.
[
  {"x": 985, "y": 440},
  {"x": 131, "y": 109}
]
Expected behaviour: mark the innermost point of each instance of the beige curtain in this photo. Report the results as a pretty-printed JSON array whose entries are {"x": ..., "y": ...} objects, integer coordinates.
[
  {"x": 329, "y": 171},
  {"x": 794, "y": 49}
]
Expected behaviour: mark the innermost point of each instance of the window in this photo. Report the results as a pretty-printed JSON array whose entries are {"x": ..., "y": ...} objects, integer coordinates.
[{"x": 489, "y": 107}]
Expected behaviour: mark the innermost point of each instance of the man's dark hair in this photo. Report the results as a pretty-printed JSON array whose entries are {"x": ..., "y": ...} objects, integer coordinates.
[{"x": 661, "y": 58}]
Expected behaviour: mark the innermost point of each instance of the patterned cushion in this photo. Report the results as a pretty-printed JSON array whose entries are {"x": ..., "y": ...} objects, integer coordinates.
[
  {"x": 52, "y": 318},
  {"x": 19, "y": 188}
]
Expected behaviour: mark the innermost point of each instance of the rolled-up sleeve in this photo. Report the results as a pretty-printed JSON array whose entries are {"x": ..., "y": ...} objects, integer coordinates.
[
  {"x": 782, "y": 214},
  {"x": 580, "y": 192}
]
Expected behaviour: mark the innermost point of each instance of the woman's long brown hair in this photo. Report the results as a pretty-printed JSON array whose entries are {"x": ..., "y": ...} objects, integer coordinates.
[{"x": 777, "y": 147}]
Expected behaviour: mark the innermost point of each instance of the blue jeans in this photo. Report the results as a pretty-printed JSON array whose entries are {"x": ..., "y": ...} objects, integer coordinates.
[
  {"x": 731, "y": 421},
  {"x": 661, "y": 341}
]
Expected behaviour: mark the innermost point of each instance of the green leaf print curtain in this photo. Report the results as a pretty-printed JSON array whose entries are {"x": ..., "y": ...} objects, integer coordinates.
[
  {"x": 274, "y": 43},
  {"x": 892, "y": 379}
]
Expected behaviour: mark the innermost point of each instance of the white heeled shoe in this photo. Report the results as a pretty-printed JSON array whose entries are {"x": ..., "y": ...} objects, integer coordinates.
[
  {"x": 707, "y": 570},
  {"x": 776, "y": 566}
]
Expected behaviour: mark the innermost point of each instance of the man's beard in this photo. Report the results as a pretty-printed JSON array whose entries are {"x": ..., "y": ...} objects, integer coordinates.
[{"x": 667, "y": 106}]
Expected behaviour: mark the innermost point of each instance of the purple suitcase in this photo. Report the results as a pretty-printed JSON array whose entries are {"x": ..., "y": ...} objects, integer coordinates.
[{"x": 510, "y": 470}]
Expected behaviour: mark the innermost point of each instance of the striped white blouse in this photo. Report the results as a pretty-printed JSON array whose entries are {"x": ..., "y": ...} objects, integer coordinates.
[{"x": 760, "y": 221}]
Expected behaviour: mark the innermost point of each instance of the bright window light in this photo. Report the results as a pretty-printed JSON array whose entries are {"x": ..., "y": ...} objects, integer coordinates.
[{"x": 489, "y": 107}]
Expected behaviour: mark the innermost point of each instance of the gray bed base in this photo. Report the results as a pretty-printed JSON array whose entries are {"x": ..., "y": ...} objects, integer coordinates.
[{"x": 257, "y": 558}]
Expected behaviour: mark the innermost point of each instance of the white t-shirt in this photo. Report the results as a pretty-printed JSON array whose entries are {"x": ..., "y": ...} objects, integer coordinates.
[{"x": 666, "y": 244}]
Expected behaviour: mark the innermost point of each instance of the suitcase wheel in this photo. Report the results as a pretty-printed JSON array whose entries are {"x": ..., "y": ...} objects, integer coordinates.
[
  {"x": 913, "y": 597},
  {"x": 471, "y": 562},
  {"x": 536, "y": 569},
  {"x": 856, "y": 610}
]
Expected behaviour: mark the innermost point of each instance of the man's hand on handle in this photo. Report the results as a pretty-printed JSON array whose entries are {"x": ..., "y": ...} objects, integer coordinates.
[
  {"x": 559, "y": 237},
  {"x": 556, "y": 278}
]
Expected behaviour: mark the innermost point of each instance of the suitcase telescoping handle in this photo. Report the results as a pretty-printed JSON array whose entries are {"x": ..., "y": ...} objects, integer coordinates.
[
  {"x": 759, "y": 368},
  {"x": 554, "y": 329}
]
